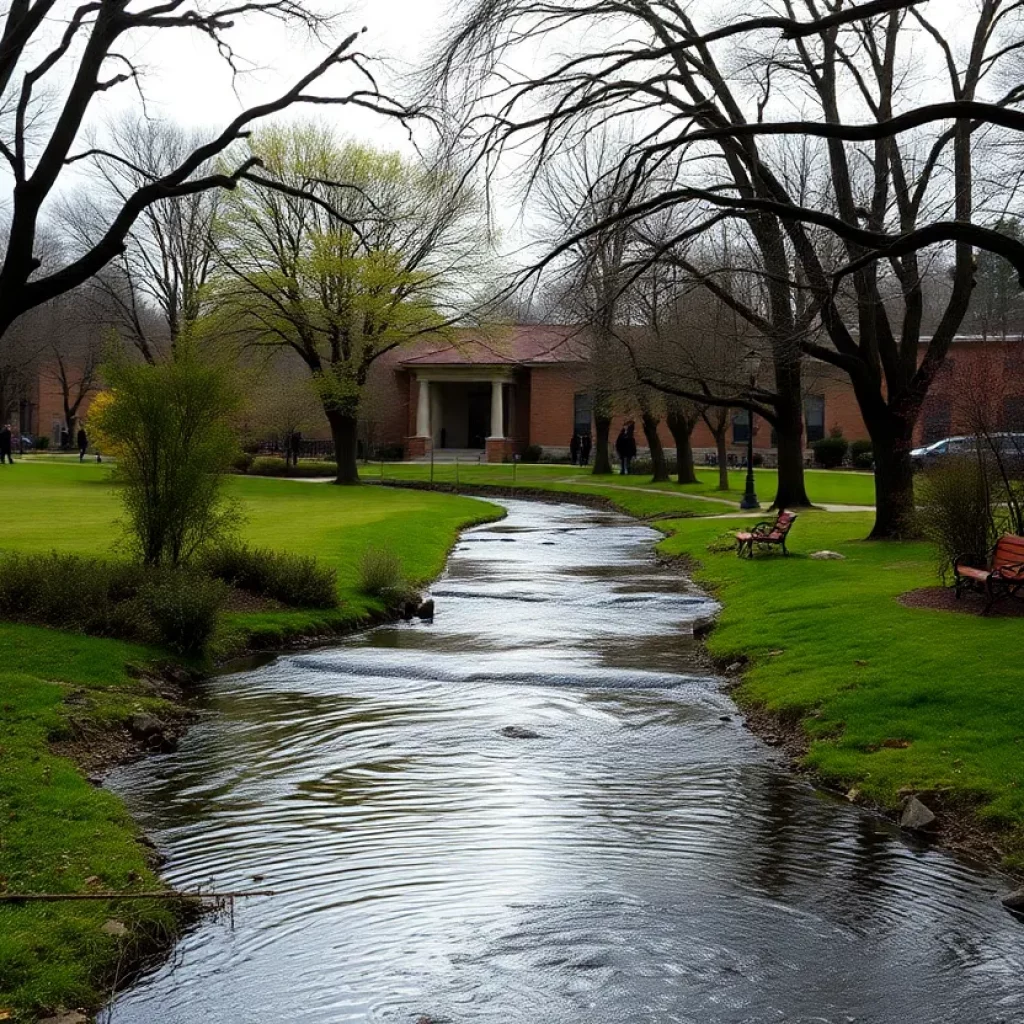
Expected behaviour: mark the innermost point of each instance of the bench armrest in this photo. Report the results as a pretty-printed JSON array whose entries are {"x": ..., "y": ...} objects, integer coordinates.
[
  {"x": 763, "y": 528},
  {"x": 969, "y": 559},
  {"x": 1012, "y": 571}
]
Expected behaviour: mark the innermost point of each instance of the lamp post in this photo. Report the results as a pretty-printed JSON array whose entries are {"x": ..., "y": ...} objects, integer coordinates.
[{"x": 751, "y": 364}]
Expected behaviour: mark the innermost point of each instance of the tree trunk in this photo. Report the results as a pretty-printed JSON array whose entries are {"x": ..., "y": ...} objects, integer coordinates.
[
  {"x": 681, "y": 428},
  {"x": 602, "y": 430},
  {"x": 722, "y": 447},
  {"x": 895, "y": 517},
  {"x": 344, "y": 430},
  {"x": 790, "y": 492},
  {"x": 659, "y": 466}
]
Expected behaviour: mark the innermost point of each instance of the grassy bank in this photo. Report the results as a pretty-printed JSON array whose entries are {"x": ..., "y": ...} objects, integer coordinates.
[
  {"x": 838, "y": 487},
  {"x": 58, "y": 832},
  {"x": 892, "y": 698}
]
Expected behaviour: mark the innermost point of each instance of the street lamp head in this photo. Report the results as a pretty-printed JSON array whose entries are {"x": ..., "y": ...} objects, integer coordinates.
[{"x": 752, "y": 363}]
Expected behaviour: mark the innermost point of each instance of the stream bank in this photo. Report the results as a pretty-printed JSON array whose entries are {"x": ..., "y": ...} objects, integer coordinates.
[{"x": 542, "y": 807}]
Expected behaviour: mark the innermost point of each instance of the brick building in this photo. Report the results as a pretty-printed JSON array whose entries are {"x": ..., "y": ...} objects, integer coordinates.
[{"x": 499, "y": 391}]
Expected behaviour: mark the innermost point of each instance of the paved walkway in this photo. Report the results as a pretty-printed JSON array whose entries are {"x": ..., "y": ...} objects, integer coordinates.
[{"x": 647, "y": 490}]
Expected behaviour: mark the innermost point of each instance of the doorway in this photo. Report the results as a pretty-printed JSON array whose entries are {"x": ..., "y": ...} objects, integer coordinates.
[{"x": 479, "y": 417}]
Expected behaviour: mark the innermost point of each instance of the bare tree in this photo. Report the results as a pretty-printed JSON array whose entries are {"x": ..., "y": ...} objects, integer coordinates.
[
  {"x": 67, "y": 75},
  {"x": 168, "y": 254},
  {"x": 706, "y": 107},
  {"x": 73, "y": 344}
]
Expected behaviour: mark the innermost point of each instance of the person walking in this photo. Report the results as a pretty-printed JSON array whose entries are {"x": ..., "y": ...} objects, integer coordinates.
[
  {"x": 83, "y": 443},
  {"x": 6, "y": 437},
  {"x": 585, "y": 449},
  {"x": 295, "y": 446},
  {"x": 625, "y": 447},
  {"x": 574, "y": 448}
]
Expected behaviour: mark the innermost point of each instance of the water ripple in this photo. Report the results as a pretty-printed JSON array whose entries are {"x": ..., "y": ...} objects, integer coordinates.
[{"x": 639, "y": 860}]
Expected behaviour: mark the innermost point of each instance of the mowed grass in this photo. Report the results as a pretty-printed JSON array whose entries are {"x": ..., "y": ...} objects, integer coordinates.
[
  {"x": 838, "y": 487},
  {"x": 895, "y": 698},
  {"x": 58, "y": 832}
]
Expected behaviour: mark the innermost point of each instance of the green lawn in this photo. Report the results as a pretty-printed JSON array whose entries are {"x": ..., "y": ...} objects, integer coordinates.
[
  {"x": 839, "y": 487},
  {"x": 895, "y": 697},
  {"x": 58, "y": 831}
]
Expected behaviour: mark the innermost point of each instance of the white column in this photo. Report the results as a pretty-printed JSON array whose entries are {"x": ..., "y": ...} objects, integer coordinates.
[
  {"x": 497, "y": 410},
  {"x": 423, "y": 410}
]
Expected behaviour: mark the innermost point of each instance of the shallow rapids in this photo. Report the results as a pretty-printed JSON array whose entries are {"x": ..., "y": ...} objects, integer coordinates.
[{"x": 642, "y": 859}]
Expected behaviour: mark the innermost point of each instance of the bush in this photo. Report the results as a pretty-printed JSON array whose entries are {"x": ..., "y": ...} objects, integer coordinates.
[
  {"x": 183, "y": 607},
  {"x": 955, "y": 511},
  {"x": 42, "y": 443},
  {"x": 169, "y": 426},
  {"x": 297, "y": 580},
  {"x": 380, "y": 574},
  {"x": 862, "y": 454},
  {"x": 830, "y": 451},
  {"x": 389, "y": 453},
  {"x": 643, "y": 465},
  {"x": 175, "y": 608},
  {"x": 532, "y": 453},
  {"x": 242, "y": 462},
  {"x": 273, "y": 466}
]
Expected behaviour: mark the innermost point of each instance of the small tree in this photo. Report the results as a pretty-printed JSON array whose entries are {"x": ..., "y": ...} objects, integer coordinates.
[{"x": 169, "y": 425}]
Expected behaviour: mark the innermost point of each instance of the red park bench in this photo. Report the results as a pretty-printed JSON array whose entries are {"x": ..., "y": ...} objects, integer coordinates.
[
  {"x": 766, "y": 534},
  {"x": 1004, "y": 575}
]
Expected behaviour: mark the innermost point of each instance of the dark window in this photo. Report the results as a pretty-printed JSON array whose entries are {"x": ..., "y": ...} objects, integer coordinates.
[
  {"x": 814, "y": 418},
  {"x": 583, "y": 411},
  {"x": 741, "y": 426},
  {"x": 937, "y": 419},
  {"x": 1013, "y": 413}
]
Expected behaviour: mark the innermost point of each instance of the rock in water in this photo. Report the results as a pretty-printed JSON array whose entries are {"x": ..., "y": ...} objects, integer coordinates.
[
  {"x": 823, "y": 556},
  {"x": 517, "y": 732},
  {"x": 1015, "y": 902},
  {"x": 426, "y": 610},
  {"x": 916, "y": 816}
]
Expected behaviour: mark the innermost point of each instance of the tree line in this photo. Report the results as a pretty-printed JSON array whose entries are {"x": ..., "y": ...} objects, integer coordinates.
[{"x": 775, "y": 192}]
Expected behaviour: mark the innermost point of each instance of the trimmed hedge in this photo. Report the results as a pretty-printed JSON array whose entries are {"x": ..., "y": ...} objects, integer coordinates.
[
  {"x": 830, "y": 451},
  {"x": 272, "y": 466}
]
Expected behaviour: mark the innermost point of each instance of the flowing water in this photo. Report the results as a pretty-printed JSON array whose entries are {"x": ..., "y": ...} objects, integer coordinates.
[{"x": 643, "y": 859}]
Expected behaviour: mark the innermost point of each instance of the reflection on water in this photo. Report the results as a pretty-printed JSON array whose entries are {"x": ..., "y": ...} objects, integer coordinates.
[{"x": 641, "y": 861}]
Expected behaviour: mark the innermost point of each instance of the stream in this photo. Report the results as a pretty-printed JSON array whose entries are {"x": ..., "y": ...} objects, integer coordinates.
[{"x": 643, "y": 858}]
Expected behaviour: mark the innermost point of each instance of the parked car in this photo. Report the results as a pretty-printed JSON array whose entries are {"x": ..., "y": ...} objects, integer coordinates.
[{"x": 1009, "y": 446}]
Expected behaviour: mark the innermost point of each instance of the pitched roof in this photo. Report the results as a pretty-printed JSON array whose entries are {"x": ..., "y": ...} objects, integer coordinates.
[{"x": 512, "y": 345}]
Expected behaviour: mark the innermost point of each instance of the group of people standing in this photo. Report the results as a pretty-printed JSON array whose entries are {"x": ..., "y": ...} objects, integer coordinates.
[
  {"x": 625, "y": 447},
  {"x": 579, "y": 448}
]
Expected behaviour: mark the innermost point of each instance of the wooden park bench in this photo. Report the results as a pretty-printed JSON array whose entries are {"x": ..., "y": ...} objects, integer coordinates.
[
  {"x": 1003, "y": 576},
  {"x": 766, "y": 534}
]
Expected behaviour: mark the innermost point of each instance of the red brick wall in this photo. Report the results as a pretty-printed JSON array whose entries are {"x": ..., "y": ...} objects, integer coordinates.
[{"x": 552, "y": 390}]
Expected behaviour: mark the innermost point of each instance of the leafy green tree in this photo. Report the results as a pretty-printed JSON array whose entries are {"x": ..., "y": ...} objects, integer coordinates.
[
  {"x": 169, "y": 426},
  {"x": 351, "y": 253}
]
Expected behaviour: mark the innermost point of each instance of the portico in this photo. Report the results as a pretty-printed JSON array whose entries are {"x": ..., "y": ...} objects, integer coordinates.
[{"x": 464, "y": 408}]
